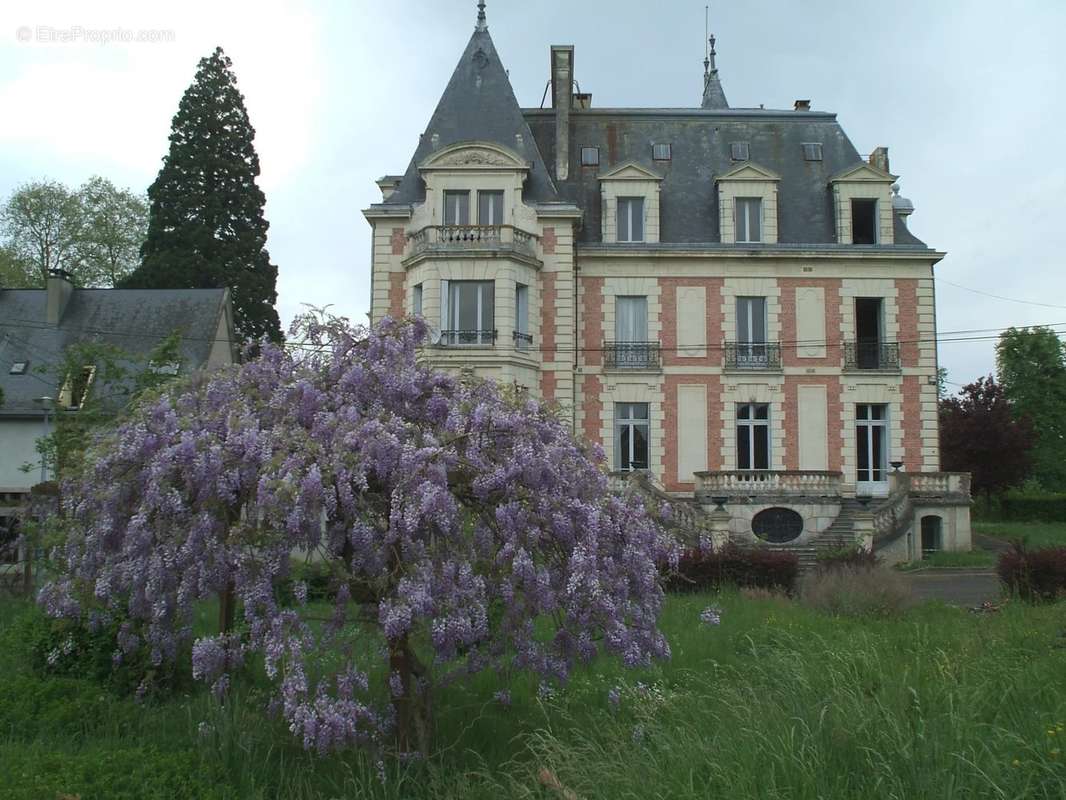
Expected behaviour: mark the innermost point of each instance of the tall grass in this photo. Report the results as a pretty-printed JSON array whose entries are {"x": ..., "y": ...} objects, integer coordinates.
[{"x": 779, "y": 701}]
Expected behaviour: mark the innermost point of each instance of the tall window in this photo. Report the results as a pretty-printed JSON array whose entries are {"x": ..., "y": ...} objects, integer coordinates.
[
  {"x": 869, "y": 325},
  {"x": 751, "y": 331},
  {"x": 863, "y": 221},
  {"x": 416, "y": 300},
  {"x": 871, "y": 438},
  {"x": 631, "y": 435},
  {"x": 456, "y": 208},
  {"x": 490, "y": 208},
  {"x": 749, "y": 219},
  {"x": 631, "y": 219},
  {"x": 468, "y": 316},
  {"x": 631, "y": 319},
  {"x": 522, "y": 339},
  {"x": 753, "y": 436}
]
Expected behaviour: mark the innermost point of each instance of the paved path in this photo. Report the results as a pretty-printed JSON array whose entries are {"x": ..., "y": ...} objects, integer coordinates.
[{"x": 960, "y": 588}]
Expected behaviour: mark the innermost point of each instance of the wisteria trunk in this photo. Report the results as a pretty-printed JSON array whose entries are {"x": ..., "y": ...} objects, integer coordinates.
[
  {"x": 227, "y": 608},
  {"x": 413, "y": 712}
]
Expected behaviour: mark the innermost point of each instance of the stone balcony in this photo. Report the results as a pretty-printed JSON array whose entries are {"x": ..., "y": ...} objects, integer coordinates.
[{"x": 490, "y": 240}]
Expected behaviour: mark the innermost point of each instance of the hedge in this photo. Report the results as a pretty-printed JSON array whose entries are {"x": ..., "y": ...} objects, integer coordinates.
[
  {"x": 1034, "y": 575},
  {"x": 702, "y": 570},
  {"x": 1028, "y": 507}
]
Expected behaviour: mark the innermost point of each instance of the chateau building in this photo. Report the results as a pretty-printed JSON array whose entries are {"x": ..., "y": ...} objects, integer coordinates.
[{"x": 728, "y": 300}]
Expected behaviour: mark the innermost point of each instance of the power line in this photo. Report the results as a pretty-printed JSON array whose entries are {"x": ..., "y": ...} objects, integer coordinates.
[{"x": 999, "y": 297}]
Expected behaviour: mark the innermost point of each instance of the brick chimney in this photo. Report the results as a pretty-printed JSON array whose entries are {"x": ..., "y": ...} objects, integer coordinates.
[
  {"x": 879, "y": 159},
  {"x": 562, "y": 57},
  {"x": 803, "y": 105},
  {"x": 57, "y": 294}
]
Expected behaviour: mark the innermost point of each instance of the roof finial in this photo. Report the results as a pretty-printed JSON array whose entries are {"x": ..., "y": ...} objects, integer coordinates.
[
  {"x": 482, "y": 23},
  {"x": 714, "y": 67}
]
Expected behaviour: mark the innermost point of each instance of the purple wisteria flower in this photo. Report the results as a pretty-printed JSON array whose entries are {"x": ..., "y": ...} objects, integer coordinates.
[
  {"x": 444, "y": 510},
  {"x": 712, "y": 615}
]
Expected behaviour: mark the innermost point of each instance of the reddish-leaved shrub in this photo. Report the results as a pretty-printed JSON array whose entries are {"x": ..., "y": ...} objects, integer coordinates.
[
  {"x": 701, "y": 570},
  {"x": 1034, "y": 575}
]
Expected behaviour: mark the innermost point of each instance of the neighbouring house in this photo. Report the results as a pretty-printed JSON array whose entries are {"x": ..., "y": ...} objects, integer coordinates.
[
  {"x": 37, "y": 326},
  {"x": 728, "y": 300}
]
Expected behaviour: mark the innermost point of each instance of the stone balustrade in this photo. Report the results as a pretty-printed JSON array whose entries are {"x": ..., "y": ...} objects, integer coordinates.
[
  {"x": 766, "y": 482},
  {"x": 465, "y": 238}
]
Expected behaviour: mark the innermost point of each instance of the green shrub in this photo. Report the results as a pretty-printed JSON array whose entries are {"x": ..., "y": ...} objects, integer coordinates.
[
  {"x": 857, "y": 557},
  {"x": 702, "y": 570},
  {"x": 856, "y": 591},
  {"x": 1034, "y": 575},
  {"x": 1029, "y": 506}
]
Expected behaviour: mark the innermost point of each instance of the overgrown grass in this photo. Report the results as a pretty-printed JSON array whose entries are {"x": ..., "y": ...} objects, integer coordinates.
[
  {"x": 779, "y": 701},
  {"x": 1035, "y": 534}
]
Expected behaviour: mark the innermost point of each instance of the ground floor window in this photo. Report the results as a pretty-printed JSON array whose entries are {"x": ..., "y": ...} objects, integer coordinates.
[
  {"x": 631, "y": 439},
  {"x": 871, "y": 440},
  {"x": 753, "y": 436}
]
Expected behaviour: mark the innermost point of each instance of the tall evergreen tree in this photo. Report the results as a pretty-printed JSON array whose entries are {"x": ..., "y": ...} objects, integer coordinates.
[{"x": 205, "y": 225}]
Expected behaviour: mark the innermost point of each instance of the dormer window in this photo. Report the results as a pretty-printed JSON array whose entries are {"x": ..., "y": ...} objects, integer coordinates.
[
  {"x": 738, "y": 151},
  {"x": 661, "y": 152},
  {"x": 490, "y": 208},
  {"x": 864, "y": 221},
  {"x": 75, "y": 389},
  {"x": 456, "y": 208},
  {"x": 590, "y": 156},
  {"x": 749, "y": 219},
  {"x": 631, "y": 219},
  {"x": 19, "y": 368}
]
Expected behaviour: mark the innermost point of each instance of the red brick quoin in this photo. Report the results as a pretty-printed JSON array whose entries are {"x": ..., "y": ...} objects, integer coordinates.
[
  {"x": 396, "y": 294},
  {"x": 912, "y": 423},
  {"x": 592, "y": 329}
]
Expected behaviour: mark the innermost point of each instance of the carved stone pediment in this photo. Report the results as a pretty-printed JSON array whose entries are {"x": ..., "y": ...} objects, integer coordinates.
[{"x": 475, "y": 155}]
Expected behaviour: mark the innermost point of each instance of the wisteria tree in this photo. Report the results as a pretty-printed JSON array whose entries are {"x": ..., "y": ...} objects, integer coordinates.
[{"x": 464, "y": 529}]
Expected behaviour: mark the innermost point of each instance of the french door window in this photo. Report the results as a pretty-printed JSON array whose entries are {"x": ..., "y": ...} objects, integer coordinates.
[
  {"x": 871, "y": 439},
  {"x": 753, "y": 436},
  {"x": 631, "y": 435},
  {"x": 751, "y": 331},
  {"x": 468, "y": 315},
  {"x": 490, "y": 208},
  {"x": 456, "y": 208}
]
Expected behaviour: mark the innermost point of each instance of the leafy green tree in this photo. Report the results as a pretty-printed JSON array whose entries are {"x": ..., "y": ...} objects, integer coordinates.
[
  {"x": 14, "y": 273},
  {"x": 94, "y": 233},
  {"x": 205, "y": 226},
  {"x": 114, "y": 222},
  {"x": 1032, "y": 369},
  {"x": 42, "y": 223}
]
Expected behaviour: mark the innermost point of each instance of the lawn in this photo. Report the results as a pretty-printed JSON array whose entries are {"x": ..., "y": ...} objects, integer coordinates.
[
  {"x": 777, "y": 702},
  {"x": 1035, "y": 534}
]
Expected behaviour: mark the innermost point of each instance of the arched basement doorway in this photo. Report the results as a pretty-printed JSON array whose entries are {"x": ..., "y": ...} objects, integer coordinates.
[{"x": 932, "y": 535}]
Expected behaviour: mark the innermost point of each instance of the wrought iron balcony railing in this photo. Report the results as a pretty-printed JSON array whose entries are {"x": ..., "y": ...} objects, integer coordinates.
[
  {"x": 451, "y": 238},
  {"x": 871, "y": 355},
  {"x": 753, "y": 356},
  {"x": 522, "y": 341},
  {"x": 471, "y": 338},
  {"x": 631, "y": 355}
]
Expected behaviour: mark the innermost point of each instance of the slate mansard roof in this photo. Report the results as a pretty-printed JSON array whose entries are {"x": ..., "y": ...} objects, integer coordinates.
[
  {"x": 479, "y": 104},
  {"x": 133, "y": 320}
]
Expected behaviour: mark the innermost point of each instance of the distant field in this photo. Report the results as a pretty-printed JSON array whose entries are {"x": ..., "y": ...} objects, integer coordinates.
[
  {"x": 777, "y": 702},
  {"x": 1035, "y": 534}
]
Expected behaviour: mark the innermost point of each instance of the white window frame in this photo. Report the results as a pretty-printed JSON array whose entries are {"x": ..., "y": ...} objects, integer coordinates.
[
  {"x": 624, "y": 461},
  {"x": 450, "y": 313},
  {"x": 416, "y": 300},
  {"x": 871, "y": 425},
  {"x": 751, "y": 424},
  {"x": 631, "y": 204},
  {"x": 521, "y": 316},
  {"x": 750, "y": 206}
]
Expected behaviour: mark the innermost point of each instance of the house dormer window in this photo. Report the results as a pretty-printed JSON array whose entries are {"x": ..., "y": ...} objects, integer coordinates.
[
  {"x": 590, "y": 156},
  {"x": 748, "y": 219},
  {"x": 76, "y": 387},
  {"x": 631, "y": 219},
  {"x": 738, "y": 151},
  {"x": 456, "y": 207},
  {"x": 661, "y": 152},
  {"x": 864, "y": 220},
  {"x": 19, "y": 368}
]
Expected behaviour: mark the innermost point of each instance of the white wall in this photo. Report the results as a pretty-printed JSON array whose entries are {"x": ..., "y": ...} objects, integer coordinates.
[{"x": 18, "y": 445}]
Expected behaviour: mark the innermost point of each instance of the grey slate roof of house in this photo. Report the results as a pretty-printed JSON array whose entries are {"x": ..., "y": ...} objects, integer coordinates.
[
  {"x": 479, "y": 104},
  {"x": 134, "y": 320}
]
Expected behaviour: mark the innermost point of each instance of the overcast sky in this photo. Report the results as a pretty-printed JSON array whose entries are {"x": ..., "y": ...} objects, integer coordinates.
[{"x": 970, "y": 98}]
